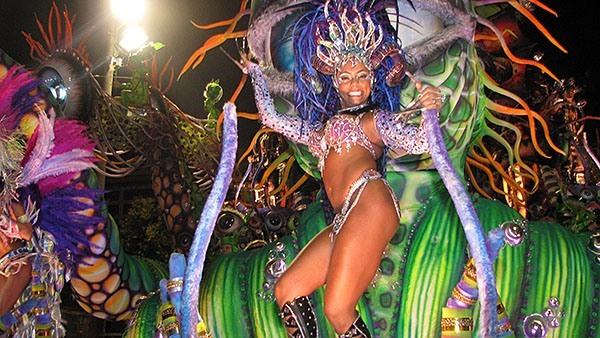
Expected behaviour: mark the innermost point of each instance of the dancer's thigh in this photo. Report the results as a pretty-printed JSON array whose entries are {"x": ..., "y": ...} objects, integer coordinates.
[
  {"x": 308, "y": 270},
  {"x": 359, "y": 245}
]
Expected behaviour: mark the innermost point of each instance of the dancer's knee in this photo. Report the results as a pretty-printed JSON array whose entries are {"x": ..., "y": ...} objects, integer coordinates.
[
  {"x": 285, "y": 291},
  {"x": 339, "y": 314}
]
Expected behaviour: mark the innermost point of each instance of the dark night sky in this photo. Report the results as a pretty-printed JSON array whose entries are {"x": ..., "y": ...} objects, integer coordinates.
[{"x": 169, "y": 23}]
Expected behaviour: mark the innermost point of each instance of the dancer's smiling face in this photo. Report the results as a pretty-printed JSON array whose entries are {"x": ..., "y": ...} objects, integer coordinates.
[{"x": 353, "y": 80}]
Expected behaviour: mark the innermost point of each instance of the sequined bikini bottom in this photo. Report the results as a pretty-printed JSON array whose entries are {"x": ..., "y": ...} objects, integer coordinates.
[{"x": 353, "y": 196}]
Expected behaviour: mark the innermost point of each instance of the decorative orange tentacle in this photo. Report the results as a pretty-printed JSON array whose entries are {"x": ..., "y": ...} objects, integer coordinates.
[
  {"x": 156, "y": 77},
  {"x": 233, "y": 98},
  {"x": 68, "y": 40},
  {"x": 521, "y": 112},
  {"x": 489, "y": 174},
  {"x": 484, "y": 37},
  {"x": 284, "y": 156},
  {"x": 488, "y": 160},
  {"x": 82, "y": 48},
  {"x": 63, "y": 39},
  {"x": 214, "y": 25},
  {"x": 216, "y": 40},
  {"x": 36, "y": 50},
  {"x": 535, "y": 2},
  {"x": 509, "y": 53},
  {"x": 512, "y": 153},
  {"x": 296, "y": 186},
  {"x": 526, "y": 111},
  {"x": 286, "y": 173},
  {"x": 544, "y": 7},
  {"x": 231, "y": 21},
  {"x": 239, "y": 88},
  {"x": 249, "y": 116},
  {"x": 508, "y": 180},
  {"x": 252, "y": 143},
  {"x": 42, "y": 31},
  {"x": 213, "y": 42},
  {"x": 53, "y": 13},
  {"x": 537, "y": 24},
  {"x": 171, "y": 77}
]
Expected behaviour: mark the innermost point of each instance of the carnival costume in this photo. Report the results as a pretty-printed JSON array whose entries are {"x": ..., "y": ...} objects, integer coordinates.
[
  {"x": 41, "y": 169},
  {"x": 341, "y": 33}
]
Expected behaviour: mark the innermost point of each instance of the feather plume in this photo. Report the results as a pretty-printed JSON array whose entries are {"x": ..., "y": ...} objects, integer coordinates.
[
  {"x": 47, "y": 173},
  {"x": 18, "y": 94},
  {"x": 61, "y": 214}
]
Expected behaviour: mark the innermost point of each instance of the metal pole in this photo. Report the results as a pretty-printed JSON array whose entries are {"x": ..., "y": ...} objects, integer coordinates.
[{"x": 108, "y": 83}]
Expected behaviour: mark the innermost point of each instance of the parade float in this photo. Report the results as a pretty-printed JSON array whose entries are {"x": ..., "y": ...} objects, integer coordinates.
[{"x": 514, "y": 135}]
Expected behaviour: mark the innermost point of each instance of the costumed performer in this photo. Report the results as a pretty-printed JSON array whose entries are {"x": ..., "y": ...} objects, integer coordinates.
[
  {"x": 348, "y": 67},
  {"x": 45, "y": 205}
]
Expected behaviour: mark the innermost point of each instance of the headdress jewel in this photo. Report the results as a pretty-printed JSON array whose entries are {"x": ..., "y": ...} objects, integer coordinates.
[{"x": 355, "y": 38}]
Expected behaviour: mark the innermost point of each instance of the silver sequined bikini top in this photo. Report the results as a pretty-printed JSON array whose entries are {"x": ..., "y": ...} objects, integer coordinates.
[{"x": 339, "y": 132}]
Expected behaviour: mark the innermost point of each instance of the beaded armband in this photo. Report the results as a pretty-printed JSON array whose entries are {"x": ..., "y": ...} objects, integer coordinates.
[
  {"x": 397, "y": 133},
  {"x": 292, "y": 127},
  {"x": 12, "y": 262}
]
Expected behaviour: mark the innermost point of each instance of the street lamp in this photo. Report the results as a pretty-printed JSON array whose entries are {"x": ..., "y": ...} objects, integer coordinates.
[
  {"x": 132, "y": 38},
  {"x": 128, "y": 13},
  {"x": 131, "y": 11}
]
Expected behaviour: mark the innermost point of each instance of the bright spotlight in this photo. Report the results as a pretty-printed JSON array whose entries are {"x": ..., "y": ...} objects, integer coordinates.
[
  {"x": 128, "y": 10},
  {"x": 133, "y": 38}
]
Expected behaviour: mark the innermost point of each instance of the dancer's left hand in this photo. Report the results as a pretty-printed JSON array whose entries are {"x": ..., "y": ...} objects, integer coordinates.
[{"x": 430, "y": 98}]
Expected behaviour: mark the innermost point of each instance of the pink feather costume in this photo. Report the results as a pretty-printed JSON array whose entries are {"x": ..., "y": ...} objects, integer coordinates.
[{"x": 46, "y": 175}]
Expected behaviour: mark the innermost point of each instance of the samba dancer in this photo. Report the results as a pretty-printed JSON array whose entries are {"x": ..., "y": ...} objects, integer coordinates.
[{"x": 360, "y": 65}]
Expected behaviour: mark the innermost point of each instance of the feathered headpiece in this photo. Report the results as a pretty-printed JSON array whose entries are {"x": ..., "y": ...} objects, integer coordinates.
[
  {"x": 354, "y": 36},
  {"x": 333, "y": 33},
  {"x": 349, "y": 42}
]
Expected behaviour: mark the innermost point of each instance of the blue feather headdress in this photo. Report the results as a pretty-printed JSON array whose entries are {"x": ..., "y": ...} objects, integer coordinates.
[{"x": 331, "y": 33}]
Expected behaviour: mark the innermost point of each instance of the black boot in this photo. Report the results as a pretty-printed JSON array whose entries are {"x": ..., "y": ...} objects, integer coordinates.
[
  {"x": 299, "y": 318},
  {"x": 358, "y": 329}
]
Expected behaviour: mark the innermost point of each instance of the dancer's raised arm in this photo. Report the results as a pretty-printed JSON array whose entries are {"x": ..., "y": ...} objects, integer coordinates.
[
  {"x": 394, "y": 129},
  {"x": 289, "y": 126}
]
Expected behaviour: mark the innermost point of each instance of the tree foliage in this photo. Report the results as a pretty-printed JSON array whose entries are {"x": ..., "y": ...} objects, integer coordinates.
[{"x": 143, "y": 231}]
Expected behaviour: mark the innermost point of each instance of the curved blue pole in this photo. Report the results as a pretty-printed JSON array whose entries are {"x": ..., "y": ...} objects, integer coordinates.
[
  {"x": 486, "y": 281},
  {"x": 206, "y": 225}
]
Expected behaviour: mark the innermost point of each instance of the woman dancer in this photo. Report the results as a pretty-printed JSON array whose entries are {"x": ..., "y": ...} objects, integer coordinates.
[{"x": 350, "y": 49}]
